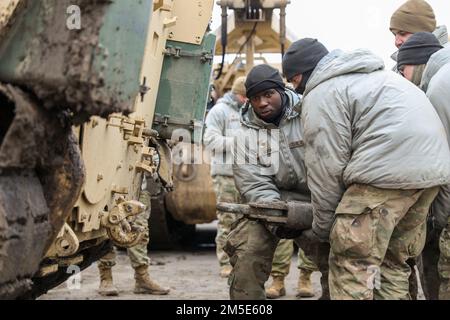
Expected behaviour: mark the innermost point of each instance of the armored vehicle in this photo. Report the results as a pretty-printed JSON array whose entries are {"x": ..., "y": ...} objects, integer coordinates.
[{"x": 80, "y": 125}]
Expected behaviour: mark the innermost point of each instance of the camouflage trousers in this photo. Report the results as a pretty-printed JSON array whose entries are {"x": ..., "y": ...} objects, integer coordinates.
[
  {"x": 251, "y": 248},
  {"x": 444, "y": 264},
  {"x": 137, "y": 254},
  {"x": 282, "y": 259},
  {"x": 374, "y": 234},
  {"x": 226, "y": 191},
  {"x": 434, "y": 264}
]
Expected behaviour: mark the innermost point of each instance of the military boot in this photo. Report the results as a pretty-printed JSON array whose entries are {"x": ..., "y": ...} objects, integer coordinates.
[
  {"x": 145, "y": 285},
  {"x": 305, "y": 288},
  {"x": 277, "y": 289},
  {"x": 107, "y": 287}
]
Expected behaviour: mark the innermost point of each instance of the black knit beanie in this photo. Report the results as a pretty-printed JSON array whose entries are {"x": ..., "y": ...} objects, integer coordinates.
[
  {"x": 302, "y": 57},
  {"x": 263, "y": 77},
  {"x": 418, "y": 49}
]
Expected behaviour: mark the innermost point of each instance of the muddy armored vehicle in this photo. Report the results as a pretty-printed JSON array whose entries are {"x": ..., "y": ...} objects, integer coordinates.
[{"x": 91, "y": 93}]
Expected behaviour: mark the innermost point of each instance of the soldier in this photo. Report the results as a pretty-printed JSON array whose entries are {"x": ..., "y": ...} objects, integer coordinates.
[
  {"x": 268, "y": 167},
  {"x": 221, "y": 123},
  {"x": 423, "y": 61},
  {"x": 138, "y": 257},
  {"x": 415, "y": 16},
  {"x": 280, "y": 269},
  {"x": 376, "y": 154}
]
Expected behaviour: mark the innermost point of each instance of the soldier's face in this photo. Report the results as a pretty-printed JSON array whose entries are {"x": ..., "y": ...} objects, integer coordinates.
[
  {"x": 241, "y": 99},
  {"x": 401, "y": 37},
  {"x": 407, "y": 71},
  {"x": 267, "y": 105},
  {"x": 296, "y": 81}
]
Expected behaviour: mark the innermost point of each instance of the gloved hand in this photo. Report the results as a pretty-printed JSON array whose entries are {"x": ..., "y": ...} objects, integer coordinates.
[
  {"x": 309, "y": 236},
  {"x": 283, "y": 232}
]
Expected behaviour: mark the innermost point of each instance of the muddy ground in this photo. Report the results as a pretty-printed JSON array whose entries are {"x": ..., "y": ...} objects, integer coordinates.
[{"x": 191, "y": 275}]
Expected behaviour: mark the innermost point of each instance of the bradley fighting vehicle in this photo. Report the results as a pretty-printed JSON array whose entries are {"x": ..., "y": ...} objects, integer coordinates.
[
  {"x": 93, "y": 95},
  {"x": 250, "y": 29}
]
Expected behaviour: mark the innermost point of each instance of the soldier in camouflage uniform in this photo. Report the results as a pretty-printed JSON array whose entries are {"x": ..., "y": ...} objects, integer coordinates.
[
  {"x": 412, "y": 17},
  {"x": 221, "y": 122},
  {"x": 372, "y": 178},
  {"x": 425, "y": 62},
  {"x": 280, "y": 269},
  {"x": 265, "y": 171},
  {"x": 138, "y": 257}
]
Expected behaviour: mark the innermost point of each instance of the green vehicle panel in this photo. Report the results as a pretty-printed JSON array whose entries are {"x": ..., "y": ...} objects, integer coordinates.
[
  {"x": 92, "y": 70},
  {"x": 184, "y": 88}
]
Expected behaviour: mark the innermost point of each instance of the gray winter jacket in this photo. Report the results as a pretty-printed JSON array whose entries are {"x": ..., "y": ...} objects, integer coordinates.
[
  {"x": 221, "y": 123},
  {"x": 273, "y": 169},
  {"x": 436, "y": 84},
  {"x": 441, "y": 34},
  {"x": 365, "y": 125}
]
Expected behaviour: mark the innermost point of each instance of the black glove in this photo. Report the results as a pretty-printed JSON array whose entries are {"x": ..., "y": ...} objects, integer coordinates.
[
  {"x": 308, "y": 236},
  {"x": 283, "y": 232}
]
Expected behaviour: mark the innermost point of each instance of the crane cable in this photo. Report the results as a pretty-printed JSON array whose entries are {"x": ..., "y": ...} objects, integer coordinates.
[{"x": 252, "y": 33}]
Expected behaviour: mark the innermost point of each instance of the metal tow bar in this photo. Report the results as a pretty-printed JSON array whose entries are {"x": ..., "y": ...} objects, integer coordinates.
[{"x": 293, "y": 214}]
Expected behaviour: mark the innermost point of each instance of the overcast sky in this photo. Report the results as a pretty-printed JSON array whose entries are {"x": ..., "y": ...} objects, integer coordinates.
[{"x": 349, "y": 24}]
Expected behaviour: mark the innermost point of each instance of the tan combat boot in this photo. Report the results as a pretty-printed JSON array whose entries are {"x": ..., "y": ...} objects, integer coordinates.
[
  {"x": 305, "y": 288},
  {"x": 107, "y": 287},
  {"x": 144, "y": 285},
  {"x": 277, "y": 289}
]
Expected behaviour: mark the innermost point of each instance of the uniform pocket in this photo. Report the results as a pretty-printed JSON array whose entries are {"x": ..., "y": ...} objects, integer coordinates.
[
  {"x": 415, "y": 247},
  {"x": 237, "y": 238},
  {"x": 353, "y": 235}
]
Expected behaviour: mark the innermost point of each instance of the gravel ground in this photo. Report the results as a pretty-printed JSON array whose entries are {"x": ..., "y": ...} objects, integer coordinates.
[{"x": 190, "y": 276}]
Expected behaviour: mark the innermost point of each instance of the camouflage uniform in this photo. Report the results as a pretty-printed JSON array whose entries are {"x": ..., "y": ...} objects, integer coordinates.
[
  {"x": 137, "y": 254},
  {"x": 372, "y": 178},
  {"x": 375, "y": 232},
  {"x": 225, "y": 192},
  {"x": 221, "y": 122},
  {"x": 434, "y": 265},
  {"x": 444, "y": 263},
  {"x": 250, "y": 246},
  {"x": 282, "y": 259}
]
